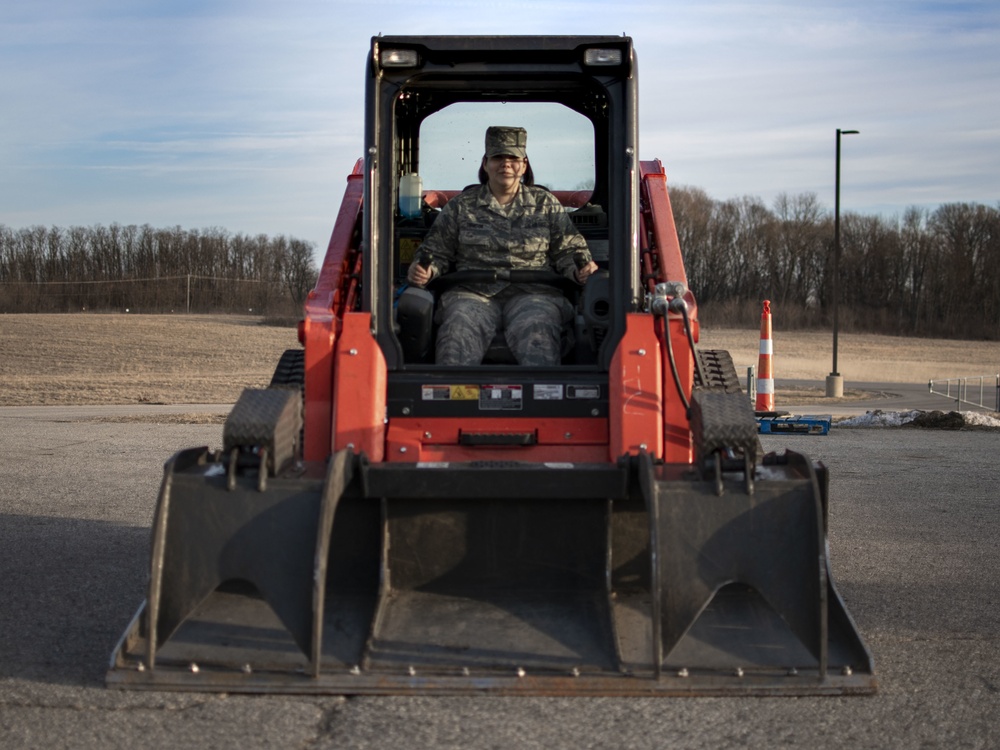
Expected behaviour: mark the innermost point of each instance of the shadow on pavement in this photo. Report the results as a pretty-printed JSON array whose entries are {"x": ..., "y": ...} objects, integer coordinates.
[{"x": 70, "y": 587}]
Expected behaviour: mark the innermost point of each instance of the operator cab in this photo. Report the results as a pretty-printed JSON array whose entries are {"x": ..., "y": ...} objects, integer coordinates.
[
  {"x": 450, "y": 145},
  {"x": 430, "y": 101}
]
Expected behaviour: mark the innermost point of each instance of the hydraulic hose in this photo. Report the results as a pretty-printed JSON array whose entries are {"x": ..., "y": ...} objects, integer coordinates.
[
  {"x": 690, "y": 336},
  {"x": 673, "y": 367},
  {"x": 668, "y": 298}
]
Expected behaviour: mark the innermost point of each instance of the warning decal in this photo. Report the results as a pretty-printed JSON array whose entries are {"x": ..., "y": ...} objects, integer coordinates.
[
  {"x": 558, "y": 391},
  {"x": 464, "y": 392},
  {"x": 408, "y": 249},
  {"x": 449, "y": 392},
  {"x": 500, "y": 397},
  {"x": 548, "y": 392}
]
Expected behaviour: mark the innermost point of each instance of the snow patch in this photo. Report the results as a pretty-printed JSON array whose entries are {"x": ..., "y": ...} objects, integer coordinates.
[
  {"x": 933, "y": 419},
  {"x": 879, "y": 418},
  {"x": 980, "y": 420}
]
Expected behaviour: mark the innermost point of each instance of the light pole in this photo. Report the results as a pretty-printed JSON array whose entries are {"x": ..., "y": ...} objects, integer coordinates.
[{"x": 834, "y": 381}]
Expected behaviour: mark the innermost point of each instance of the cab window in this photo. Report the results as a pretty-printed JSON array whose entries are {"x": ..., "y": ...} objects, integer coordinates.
[{"x": 560, "y": 143}]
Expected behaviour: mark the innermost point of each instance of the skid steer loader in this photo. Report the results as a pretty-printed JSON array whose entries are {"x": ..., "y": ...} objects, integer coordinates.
[{"x": 379, "y": 523}]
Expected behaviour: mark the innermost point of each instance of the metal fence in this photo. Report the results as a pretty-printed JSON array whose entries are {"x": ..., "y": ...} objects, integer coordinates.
[
  {"x": 978, "y": 391},
  {"x": 985, "y": 388},
  {"x": 190, "y": 293}
]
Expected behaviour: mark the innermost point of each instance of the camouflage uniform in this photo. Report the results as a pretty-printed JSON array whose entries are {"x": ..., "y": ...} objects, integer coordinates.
[{"x": 474, "y": 232}]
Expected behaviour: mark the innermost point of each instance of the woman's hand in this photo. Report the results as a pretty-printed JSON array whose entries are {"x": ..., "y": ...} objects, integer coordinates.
[
  {"x": 583, "y": 273},
  {"x": 418, "y": 275}
]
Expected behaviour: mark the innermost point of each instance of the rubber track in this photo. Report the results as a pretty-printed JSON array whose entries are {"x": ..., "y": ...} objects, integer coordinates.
[
  {"x": 290, "y": 372},
  {"x": 718, "y": 371},
  {"x": 721, "y": 421},
  {"x": 291, "y": 369},
  {"x": 265, "y": 418}
]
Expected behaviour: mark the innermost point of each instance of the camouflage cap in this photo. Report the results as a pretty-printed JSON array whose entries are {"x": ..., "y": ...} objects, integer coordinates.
[{"x": 504, "y": 140}]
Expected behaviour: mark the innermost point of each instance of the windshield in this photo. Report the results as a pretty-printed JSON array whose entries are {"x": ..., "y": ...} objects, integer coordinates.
[{"x": 560, "y": 143}]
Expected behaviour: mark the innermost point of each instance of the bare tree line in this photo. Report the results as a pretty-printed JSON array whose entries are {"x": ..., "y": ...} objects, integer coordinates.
[
  {"x": 926, "y": 273},
  {"x": 146, "y": 269}
]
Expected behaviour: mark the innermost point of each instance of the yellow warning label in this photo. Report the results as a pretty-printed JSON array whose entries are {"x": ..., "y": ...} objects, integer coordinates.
[
  {"x": 465, "y": 392},
  {"x": 449, "y": 392},
  {"x": 408, "y": 248}
]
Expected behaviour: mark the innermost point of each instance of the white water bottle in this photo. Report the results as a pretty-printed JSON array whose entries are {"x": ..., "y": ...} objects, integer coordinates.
[{"x": 411, "y": 190}]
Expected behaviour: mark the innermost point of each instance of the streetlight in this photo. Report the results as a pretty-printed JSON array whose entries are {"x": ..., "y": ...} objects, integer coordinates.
[{"x": 834, "y": 381}]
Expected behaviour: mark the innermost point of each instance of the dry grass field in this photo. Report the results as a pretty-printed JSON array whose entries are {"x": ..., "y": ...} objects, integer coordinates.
[
  {"x": 178, "y": 359},
  {"x": 130, "y": 359},
  {"x": 808, "y": 355}
]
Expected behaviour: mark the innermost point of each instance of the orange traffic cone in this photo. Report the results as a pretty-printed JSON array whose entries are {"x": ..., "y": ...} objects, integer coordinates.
[{"x": 765, "y": 375}]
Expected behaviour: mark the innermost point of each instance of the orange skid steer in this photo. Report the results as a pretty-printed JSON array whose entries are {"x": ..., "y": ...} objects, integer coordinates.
[{"x": 379, "y": 523}]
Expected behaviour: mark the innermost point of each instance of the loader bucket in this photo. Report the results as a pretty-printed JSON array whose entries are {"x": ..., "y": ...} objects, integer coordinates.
[{"x": 508, "y": 578}]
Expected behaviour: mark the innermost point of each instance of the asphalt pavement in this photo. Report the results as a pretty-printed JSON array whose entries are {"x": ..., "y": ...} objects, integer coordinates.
[
  {"x": 901, "y": 397},
  {"x": 913, "y": 528}
]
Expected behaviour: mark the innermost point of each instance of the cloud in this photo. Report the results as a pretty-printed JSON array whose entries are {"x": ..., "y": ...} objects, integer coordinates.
[{"x": 249, "y": 114}]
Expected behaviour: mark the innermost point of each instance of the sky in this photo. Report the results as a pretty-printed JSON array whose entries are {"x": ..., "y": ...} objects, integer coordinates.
[{"x": 248, "y": 115}]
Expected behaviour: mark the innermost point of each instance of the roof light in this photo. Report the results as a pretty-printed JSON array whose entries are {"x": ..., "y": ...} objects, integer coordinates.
[
  {"x": 399, "y": 58},
  {"x": 601, "y": 56}
]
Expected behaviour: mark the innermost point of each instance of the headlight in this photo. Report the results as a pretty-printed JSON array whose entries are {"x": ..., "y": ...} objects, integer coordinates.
[
  {"x": 398, "y": 58},
  {"x": 598, "y": 56}
]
